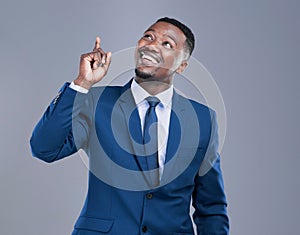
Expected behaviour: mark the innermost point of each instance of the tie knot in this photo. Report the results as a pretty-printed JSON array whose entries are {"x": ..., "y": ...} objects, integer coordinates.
[{"x": 153, "y": 101}]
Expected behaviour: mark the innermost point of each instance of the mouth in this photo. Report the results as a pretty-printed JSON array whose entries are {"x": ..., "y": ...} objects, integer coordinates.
[{"x": 149, "y": 58}]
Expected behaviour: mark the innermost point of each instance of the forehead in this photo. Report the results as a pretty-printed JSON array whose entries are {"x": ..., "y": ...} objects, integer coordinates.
[{"x": 168, "y": 30}]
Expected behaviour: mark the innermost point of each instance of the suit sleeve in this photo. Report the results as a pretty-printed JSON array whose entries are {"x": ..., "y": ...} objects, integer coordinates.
[
  {"x": 52, "y": 138},
  {"x": 209, "y": 199}
]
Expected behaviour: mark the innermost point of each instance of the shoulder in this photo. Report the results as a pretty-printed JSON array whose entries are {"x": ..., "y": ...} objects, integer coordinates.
[
  {"x": 105, "y": 92},
  {"x": 200, "y": 109},
  {"x": 100, "y": 89}
]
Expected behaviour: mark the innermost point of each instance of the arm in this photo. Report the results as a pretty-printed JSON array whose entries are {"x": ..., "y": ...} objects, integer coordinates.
[
  {"x": 209, "y": 199},
  {"x": 53, "y": 136}
]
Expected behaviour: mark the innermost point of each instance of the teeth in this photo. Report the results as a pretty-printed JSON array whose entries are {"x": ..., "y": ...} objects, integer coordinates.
[{"x": 147, "y": 57}]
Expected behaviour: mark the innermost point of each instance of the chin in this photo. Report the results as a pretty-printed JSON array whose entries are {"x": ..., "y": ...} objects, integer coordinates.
[{"x": 142, "y": 74}]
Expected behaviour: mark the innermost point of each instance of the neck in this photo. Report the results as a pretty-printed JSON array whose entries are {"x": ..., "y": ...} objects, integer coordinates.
[{"x": 151, "y": 86}]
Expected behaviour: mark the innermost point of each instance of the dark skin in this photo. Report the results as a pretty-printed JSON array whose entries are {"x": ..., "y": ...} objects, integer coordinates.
[{"x": 159, "y": 54}]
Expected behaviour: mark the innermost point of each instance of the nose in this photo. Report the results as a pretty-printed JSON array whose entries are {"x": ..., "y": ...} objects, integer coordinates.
[{"x": 153, "y": 45}]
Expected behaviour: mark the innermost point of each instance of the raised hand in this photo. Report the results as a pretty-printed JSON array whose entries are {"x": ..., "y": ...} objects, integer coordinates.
[{"x": 93, "y": 66}]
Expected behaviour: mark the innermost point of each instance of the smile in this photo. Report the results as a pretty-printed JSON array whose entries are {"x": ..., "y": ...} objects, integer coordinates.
[{"x": 147, "y": 57}]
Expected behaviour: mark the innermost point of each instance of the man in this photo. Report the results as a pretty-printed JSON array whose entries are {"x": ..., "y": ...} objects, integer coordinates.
[{"x": 146, "y": 144}]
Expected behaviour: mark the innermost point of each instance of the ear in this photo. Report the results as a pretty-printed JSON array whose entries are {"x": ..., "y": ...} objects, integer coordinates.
[{"x": 182, "y": 66}]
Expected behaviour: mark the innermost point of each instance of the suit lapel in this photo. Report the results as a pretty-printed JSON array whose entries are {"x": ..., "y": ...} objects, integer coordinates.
[
  {"x": 175, "y": 127},
  {"x": 178, "y": 138},
  {"x": 133, "y": 125}
]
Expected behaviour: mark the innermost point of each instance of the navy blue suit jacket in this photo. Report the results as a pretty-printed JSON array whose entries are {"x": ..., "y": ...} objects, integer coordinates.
[{"x": 120, "y": 199}]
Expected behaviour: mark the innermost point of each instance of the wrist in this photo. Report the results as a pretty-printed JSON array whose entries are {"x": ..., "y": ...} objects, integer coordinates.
[{"x": 82, "y": 83}]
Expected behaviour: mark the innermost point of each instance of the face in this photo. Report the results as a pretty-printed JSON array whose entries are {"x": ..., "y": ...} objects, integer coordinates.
[{"x": 160, "y": 53}]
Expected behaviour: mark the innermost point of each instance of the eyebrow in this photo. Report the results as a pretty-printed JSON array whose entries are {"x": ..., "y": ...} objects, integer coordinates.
[{"x": 153, "y": 30}]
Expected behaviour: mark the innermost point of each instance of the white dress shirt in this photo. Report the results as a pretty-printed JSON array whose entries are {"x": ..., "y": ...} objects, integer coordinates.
[{"x": 163, "y": 112}]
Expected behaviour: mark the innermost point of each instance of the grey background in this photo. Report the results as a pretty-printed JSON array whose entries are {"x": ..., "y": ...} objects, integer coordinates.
[{"x": 251, "y": 49}]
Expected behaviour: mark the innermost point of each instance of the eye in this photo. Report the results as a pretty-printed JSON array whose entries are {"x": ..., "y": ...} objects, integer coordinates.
[
  {"x": 148, "y": 37},
  {"x": 168, "y": 45}
]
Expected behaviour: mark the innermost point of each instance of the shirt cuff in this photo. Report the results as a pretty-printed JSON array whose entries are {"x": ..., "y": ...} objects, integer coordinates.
[{"x": 78, "y": 88}]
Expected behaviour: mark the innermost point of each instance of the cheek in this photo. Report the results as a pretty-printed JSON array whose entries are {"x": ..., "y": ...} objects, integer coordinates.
[
  {"x": 138, "y": 46},
  {"x": 171, "y": 59}
]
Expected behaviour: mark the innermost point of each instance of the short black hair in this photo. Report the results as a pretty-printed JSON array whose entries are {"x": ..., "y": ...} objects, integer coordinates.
[{"x": 190, "y": 38}]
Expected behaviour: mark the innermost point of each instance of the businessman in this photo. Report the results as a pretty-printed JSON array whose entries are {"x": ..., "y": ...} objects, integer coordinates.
[{"x": 151, "y": 151}]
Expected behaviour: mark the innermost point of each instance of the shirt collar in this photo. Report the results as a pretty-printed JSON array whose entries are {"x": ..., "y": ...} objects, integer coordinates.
[{"x": 140, "y": 94}]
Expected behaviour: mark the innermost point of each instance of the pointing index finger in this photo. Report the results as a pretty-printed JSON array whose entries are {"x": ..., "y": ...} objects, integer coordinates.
[{"x": 97, "y": 43}]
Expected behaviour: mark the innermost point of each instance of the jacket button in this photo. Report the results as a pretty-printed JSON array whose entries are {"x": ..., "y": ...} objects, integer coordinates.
[
  {"x": 149, "y": 195},
  {"x": 144, "y": 229}
]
